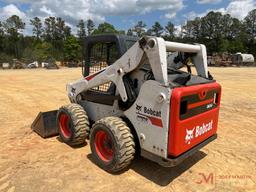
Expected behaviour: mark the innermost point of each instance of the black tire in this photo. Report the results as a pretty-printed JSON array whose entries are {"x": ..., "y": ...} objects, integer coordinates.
[
  {"x": 73, "y": 124},
  {"x": 122, "y": 144}
]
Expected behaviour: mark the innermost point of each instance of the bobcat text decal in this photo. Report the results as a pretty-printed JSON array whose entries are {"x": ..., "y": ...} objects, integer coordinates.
[
  {"x": 144, "y": 114},
  {"x": 197, "y": 131}
]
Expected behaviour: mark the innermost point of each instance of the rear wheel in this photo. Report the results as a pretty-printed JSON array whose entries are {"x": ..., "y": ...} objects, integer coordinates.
[
  {"x": 73, "y": 124},
  {"x": 112, "y": 144}
]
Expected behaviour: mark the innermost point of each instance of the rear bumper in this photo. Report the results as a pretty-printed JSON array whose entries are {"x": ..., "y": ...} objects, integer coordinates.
[{"x": 171, "y": 162}]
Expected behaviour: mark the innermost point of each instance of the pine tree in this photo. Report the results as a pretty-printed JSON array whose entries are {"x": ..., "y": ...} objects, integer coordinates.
[
  {"x": 37, "y": 27},
  {"x": 90, "y": 26}
]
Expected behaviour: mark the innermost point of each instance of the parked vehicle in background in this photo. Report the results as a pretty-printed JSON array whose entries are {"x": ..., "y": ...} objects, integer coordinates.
[
  {"x": 243, "y": 59},
  {"x": 33, "y": 65},
  {"x": 6, "y": 66},
  {"x": 229, "y": 60}
]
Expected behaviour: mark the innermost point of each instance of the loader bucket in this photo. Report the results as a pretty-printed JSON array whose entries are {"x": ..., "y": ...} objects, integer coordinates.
[{"x": 45, "y": 124}]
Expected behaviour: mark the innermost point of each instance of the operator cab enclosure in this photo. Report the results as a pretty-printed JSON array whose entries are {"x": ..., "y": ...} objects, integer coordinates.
[
  {"x": 102, "y": 51},
  {"x": 105, "y": 49}
]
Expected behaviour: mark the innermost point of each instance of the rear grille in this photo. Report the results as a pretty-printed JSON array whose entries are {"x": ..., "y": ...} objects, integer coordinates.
[{"x": 195, "y": 104}]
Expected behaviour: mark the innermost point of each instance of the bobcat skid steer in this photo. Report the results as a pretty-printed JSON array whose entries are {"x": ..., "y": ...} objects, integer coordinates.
[{"x": 135, "y": 97}]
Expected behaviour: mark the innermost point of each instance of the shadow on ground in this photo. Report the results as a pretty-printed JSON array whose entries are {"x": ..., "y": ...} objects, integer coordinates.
[
  {"x": 58, "y": 138},
  {"x": 160, "y": 175}
]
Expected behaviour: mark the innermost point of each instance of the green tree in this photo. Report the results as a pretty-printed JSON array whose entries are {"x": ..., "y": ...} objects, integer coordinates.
[
  {"x": 129, "y": 32},
  {"x": 219, "y": 32},
  {"x": 105, "y": 28},
  {"x": 72, "y": 49},
  {"x": 59, "y": 36},
  {"x": 235, "y": 30},
  {"x": 39, "y": 52},
  {"x": 157, "y": 29},
  {"x": 250, "y": 31},
  {"x": 192, "y": 29},
  {"x": 90, "y": 26},
  {"x": 212, "y": 26},
  {"x": 169, "y": 28},
  {"x": 67, "y": 32},
  {"x": 60, "y": 27},
  {"x": 54, "y": 29},
  {"x": 1, "y": 37},
  {"x": 56, "y": 32},
  {"x": 4, "y": 57},
  {"x": 81, "y": 33},
  {"x": 149, "y": 32},
  {"x": 13, "y": 27},
  {"x": 250, "y": 24},
  {"x": 235, "y": 46},
  {"x": 37, "y": 27},
  {"x": 139, "y": 28},
  {"x": 49, "y": 28},
  {"x": 1, "y": 29}
]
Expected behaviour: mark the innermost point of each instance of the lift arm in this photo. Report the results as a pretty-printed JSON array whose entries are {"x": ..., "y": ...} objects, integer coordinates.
[{"x": 151, "y": 48}]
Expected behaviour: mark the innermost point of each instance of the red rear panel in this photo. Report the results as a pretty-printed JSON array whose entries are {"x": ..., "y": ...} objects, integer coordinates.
[{"x": 194, "y": 112}]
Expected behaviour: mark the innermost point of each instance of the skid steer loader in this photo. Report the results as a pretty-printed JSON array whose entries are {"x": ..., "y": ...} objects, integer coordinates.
[{"x": 135, "y": 97}]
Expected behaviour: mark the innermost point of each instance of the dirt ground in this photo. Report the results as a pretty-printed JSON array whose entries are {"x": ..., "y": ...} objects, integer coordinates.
[{"x": 30, "y": 163}]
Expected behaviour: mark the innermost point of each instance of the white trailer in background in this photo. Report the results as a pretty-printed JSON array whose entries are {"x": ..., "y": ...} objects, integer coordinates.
[{"x": 243, "y": 59}]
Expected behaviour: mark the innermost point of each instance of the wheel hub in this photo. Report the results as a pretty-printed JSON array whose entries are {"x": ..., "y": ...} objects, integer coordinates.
[
  {"x": 64, "y": 123},
  {"x": 104, "y": 146}
]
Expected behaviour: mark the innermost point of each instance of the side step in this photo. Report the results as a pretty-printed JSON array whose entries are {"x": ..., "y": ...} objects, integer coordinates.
[{"x": 45, "y": 124}]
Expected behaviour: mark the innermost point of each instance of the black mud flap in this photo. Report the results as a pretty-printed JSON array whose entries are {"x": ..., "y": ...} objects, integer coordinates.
[{"x": 45, "y": 124}]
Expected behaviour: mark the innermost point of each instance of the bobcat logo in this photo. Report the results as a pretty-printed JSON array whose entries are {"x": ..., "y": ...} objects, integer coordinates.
[
  {"x": 189, "y": 136},
  {"x": 138, "y": 107}
]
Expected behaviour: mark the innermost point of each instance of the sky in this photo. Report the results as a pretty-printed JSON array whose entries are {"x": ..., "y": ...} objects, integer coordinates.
[{"x": 123, "y": 14}]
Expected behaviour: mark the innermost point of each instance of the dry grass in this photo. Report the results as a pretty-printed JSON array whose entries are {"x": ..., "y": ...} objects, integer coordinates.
[{"x": 30, "y": 163}]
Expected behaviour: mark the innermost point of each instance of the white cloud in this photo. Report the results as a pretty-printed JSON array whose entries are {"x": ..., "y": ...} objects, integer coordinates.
[
  {"x": 10, "y": 10},
  {"x": 170, "y": 5},
  {"x": 98, "y": 9},
  {"x": 191, "y": 15},
  {"x": 240, "y": 8},
  {"x": 221, "y": 10},
  {"x": 236, "y": 8},
  {"x": 178, "y": 30},
  {"x": 170, "y": 15},
  {"x": 46, "y": 10},
  {"x": 72, "y": 11},
  {"x": 208, "y": 1}
]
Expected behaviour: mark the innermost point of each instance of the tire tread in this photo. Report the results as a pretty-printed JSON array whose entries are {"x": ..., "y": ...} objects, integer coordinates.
[
  {"x": 80, "y": 123},
  {"x": 124, "y": 140}
]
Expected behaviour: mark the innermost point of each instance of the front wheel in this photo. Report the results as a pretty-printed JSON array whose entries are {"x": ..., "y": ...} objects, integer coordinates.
[
  {"x": 112, "y": 144},
  {"x": 73, "y": 124}
]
